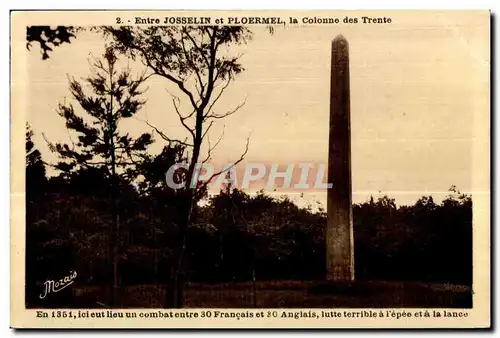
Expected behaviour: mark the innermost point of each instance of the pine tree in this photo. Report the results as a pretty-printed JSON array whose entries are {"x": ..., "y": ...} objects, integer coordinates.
[{"x": 101, "y": 147}]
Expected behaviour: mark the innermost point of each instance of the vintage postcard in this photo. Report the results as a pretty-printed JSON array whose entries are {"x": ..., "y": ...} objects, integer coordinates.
[{"x": 250, "y": 169}]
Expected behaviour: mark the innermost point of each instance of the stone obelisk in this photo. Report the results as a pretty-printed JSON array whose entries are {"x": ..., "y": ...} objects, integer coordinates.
[{"x": 339, "y": 232}]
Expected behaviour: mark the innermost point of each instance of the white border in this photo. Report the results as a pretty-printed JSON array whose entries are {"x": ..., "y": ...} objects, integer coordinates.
[{"x": 149, "y": 4}]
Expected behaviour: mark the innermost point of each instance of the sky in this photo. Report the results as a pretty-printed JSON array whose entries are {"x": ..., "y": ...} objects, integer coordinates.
[{"x": 418, "y": 88}]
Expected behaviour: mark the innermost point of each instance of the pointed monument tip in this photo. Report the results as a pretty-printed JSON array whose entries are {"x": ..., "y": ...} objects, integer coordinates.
[{"x": 339, "y": 39}]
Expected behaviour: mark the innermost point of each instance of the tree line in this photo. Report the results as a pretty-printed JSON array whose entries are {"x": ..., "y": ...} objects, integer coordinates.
[{"x": 233, "y": 236}]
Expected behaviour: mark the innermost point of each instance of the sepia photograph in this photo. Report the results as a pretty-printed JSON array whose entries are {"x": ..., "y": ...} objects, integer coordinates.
[{"x": 300, "y": 161}]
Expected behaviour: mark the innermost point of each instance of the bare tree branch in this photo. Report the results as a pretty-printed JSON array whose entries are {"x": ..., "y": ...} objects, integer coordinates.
[
  {"x": 176, "y": 101},
  {"x": 231, "y": 112},
  {"x": 218, "y": 97},
  {"x": 160, "y": 72},
  {"x": 164, "y": 136},
  {"x": 206, "y": 131},
  {"x": 210, "y": 148}
]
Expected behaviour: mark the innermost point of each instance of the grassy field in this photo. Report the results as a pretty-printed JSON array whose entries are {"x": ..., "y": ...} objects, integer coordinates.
[{"x": 287, "y": 294}]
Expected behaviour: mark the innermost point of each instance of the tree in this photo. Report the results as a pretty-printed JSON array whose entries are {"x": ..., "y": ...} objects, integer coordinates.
[
  {"x": 101, "y": 148},
  {"x": 195, "y": 60},
  {"x": 36, "y": 183},
  {"x": 48, "y": 37}
]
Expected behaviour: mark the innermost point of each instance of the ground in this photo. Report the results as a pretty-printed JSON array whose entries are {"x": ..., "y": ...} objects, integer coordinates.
[{"x": 288, "y": 294}]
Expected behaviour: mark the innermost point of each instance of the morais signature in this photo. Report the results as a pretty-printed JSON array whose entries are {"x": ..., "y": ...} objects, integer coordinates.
[{"x": 52, "y": 286}]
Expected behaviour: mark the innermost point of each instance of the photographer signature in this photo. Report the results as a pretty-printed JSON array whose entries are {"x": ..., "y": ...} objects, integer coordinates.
[{"x": 53, "y": 286}]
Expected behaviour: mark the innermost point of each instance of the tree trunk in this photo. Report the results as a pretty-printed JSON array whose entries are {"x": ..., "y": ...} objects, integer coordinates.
[
  {"x": 176, "y": 287},
  {"x": 114, "y": 207},
  {"x": 175, "y": 291}
]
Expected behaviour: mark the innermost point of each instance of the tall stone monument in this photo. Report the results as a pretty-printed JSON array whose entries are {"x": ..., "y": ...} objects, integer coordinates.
[{"x": 339, "y": 232}]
